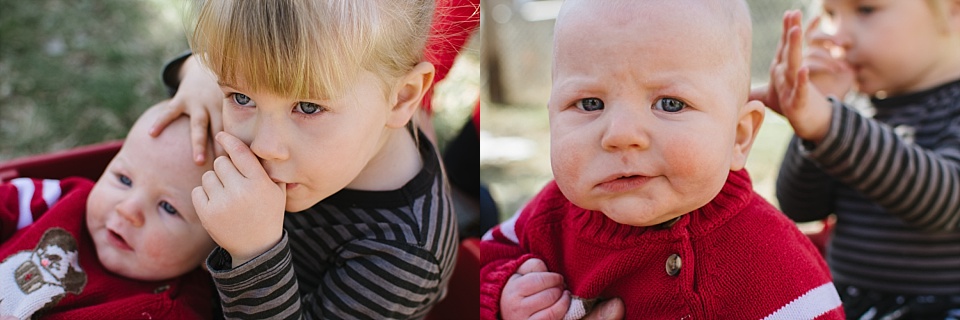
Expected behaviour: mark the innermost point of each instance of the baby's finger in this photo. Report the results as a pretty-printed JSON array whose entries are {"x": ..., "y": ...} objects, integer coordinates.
[
  {"x": 168, "y": 113},
  {"x": 532, "y": 283},
  {"x": 532, "y": 265},
  {"x": 241, "y": 156},
  {"x": 556, "y": 308},
  {"x": 198, "y": 136}
]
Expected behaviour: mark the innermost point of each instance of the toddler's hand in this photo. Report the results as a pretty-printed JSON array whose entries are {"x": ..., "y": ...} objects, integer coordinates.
[
  {"x": 238, "y": 204},
  {"x": 801, "y": 103},
  {"x": 829, "y": 72},
  {"x": 534, "y": 293},
  {"x": 199, "y": 97}
]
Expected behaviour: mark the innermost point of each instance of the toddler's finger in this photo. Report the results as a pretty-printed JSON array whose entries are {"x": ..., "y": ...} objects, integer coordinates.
[
  {"x": 813, "y": 27},
  {"x": 168, "y": 113},
  {"x": 199, "y": 198},
  {"x": 241, "y": 156},
  {"x": 216, "y": 125},
  {"x": 198, "y": 136}
]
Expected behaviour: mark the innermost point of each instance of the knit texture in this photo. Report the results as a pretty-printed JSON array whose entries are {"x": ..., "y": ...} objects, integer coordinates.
[{"x": 740, "y": 259}]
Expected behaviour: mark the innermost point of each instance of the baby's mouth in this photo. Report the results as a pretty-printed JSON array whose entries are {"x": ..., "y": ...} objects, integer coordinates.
[{"x": 118, "y": 240}]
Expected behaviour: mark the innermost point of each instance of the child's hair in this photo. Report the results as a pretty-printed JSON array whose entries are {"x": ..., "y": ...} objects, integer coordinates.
[{"x": 308, "y": 48}]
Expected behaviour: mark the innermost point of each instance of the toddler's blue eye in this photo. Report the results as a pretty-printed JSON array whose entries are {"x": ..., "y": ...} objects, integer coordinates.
[
  {"x": 124, "y": 180},
  {"x": 669, "y": 105},
  {"x": 166, "y": 206},
  {"x": 241, "y": 99},
  {"x": 590, "y": 104},
  {"x": 309, "y": 107}
]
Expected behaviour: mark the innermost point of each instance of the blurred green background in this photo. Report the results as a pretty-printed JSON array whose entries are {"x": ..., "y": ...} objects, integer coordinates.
[{"x": 78, "y": 72}]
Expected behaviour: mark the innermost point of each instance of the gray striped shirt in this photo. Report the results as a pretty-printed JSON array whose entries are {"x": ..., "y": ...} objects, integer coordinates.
[
  {"x": 355, "y": 255},
  {"x": 894, "y": 183}
]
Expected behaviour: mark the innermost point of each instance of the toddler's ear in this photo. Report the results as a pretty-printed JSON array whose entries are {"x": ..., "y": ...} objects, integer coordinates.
[
  {"x": 408, "y": 92},
  {"x": 748, "y": 124}
]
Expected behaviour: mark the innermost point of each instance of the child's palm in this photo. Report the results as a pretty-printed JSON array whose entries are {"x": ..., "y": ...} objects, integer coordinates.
[
  {"x": 802, "y": 104},
  {"x": 238, "y": 204}
]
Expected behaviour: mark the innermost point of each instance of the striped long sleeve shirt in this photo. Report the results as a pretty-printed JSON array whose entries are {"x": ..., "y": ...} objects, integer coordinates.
[
  {"x": 893, "y": 182},
  {"x": 354, "y": 255}
]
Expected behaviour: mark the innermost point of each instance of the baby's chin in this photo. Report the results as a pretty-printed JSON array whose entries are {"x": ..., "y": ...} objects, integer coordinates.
[{"x": 639, "y": 212}]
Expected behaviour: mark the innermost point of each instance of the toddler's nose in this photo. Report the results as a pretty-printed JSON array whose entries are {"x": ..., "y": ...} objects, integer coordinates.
[{"x": 131, "y": 210}]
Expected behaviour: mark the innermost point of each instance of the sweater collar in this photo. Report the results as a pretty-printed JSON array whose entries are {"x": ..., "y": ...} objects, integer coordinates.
[{"x": 731, "y": 199}]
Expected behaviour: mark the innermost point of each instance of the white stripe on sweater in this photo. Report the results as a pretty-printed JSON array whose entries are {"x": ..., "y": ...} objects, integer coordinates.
[
  {"x": 51, "y": 191},
  {"x": 506, "y": 229},
  {"x": 810, "y": 305},
  {"x": 25, "y": 191}
]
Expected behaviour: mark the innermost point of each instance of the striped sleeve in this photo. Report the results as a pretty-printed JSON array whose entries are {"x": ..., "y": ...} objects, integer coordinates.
[
  {"x": 372, "y": 280},
  {"x": 23, "y": 201},
  {"x": 804, "y": 191},
  {"x": 915, "y": 184}
]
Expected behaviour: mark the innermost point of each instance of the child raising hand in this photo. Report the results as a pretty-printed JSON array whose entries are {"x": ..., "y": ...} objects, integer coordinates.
[{"x": 892, "y": 179}]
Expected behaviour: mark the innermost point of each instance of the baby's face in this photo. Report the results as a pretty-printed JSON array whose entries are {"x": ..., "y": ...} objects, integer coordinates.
[
  {"x": 140, "y": 213},
  {"x": 644, "y": 107}
]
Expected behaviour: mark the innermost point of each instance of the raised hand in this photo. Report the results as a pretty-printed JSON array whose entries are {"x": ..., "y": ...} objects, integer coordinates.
[
  {"x": 200, "y": 98},
  {"x": 829, "y": 72},
  {"x": 534, "y": 293},
  {"x": 807, "y": 110},
  {"x": 238, "y": 203}
]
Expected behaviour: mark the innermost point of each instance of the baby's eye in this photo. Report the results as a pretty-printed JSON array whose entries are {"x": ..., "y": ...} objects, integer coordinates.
[
  {"x": 590, "y": 104},
  {"x": 242, "y": 99},
  {"x": 124, "y": 180},
  {"x": 309, "y": 107},
  {"x": 866, "y": 10},
  {"x": 166, "y": 206},
  {"x": 669, "y": 105}
]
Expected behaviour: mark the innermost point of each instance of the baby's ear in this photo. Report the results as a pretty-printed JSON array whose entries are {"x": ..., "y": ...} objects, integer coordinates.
[
  {"x": 748, "y": 124},
  {"x": 408, "y": 92}
]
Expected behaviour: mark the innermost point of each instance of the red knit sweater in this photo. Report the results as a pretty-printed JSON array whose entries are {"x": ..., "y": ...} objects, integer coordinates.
[
  {"x": 52, "y": 204},
  {"x": 740, "y": 259}
]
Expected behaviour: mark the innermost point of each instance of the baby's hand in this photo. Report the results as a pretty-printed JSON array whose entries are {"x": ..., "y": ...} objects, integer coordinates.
[
  {"x": 534, "y": 293},
  {"x": 200, "y": 98},
  {"x": 829, "y": 73},
  {"x": 238, "y": 204},
  {"x": 802, "y": 104}
]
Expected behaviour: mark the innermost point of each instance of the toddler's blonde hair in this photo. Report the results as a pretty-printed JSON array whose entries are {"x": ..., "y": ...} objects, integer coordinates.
[{"x": 310, "y": 49}]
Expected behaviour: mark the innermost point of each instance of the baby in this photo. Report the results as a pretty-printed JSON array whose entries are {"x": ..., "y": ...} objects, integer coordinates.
[
  {"x": 650, "y": 130},
  {"x": 128, "y": 247}
]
